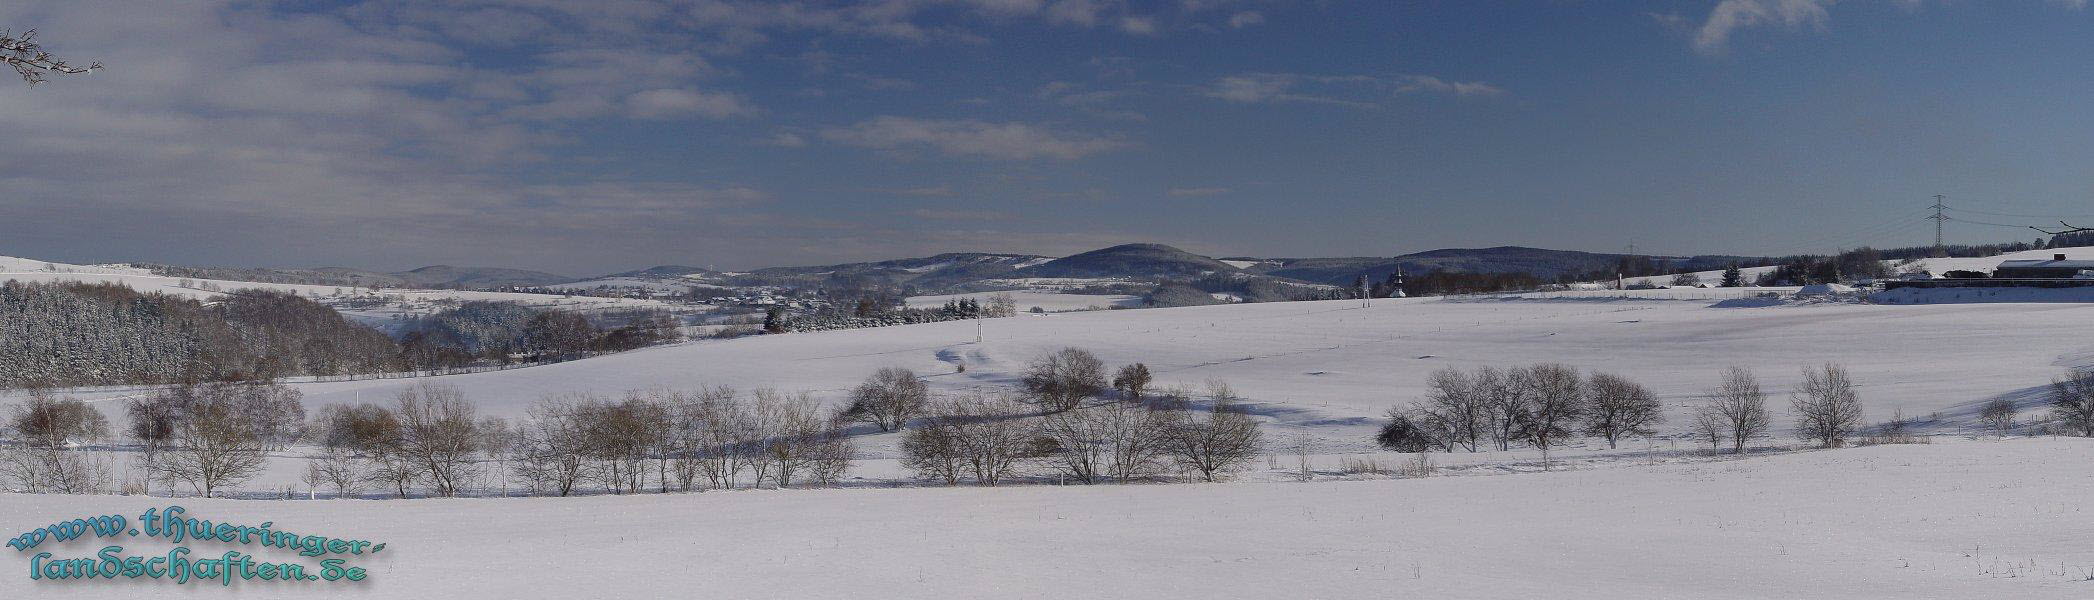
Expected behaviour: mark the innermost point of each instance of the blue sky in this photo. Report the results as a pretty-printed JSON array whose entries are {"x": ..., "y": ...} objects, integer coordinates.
[{"x": 589, "y": 137}]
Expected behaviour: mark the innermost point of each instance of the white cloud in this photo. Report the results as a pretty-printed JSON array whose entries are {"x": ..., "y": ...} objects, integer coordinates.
[
  {"x": 1251, "y": 88},
  {"x": 1246, "y": 19},
  {"x": 1428, "y": 83},
  {"x": 1196, "y": 192},
  {"x": 1358, "y": 91},
  {"x": 1138, "y": 25},
  {"x": 948, "y": 214},
  {"x": 973, "y": 138},
  {"x": 1732, "y": 15},
  {"x": 1082, "y": 13},
  {"x": 785, "y": 139},
  {"x": 674, "y": 103}
]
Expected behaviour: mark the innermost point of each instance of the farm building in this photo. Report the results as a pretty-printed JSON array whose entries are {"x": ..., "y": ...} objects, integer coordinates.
[{"x": 2055, "y": 268}]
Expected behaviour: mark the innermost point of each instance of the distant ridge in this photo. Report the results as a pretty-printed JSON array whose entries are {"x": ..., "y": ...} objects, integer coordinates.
[{"x": 1131, "y": 260}]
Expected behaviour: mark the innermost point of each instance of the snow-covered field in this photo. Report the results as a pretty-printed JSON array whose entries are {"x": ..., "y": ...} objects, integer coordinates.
[
  {"x": 1332, "y": 368},
  {"x": 1957, "y": 520}
]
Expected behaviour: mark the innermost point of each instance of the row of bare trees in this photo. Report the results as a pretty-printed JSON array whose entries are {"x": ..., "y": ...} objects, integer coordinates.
[
  {"x": 659, "y": 439},
  {"x": 1540, "y": 405},
  {"x": 203, "y": 435},
  {"x": 1544, "y": 405},
  {"x": 991, "y": 438},
  {"x": 1826, "y": 406},
  {"x": 713, "y": 438}
]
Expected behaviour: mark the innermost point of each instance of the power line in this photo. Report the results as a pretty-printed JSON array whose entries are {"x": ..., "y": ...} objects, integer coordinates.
[
  {"x": 2001, "y": 214},
  {"x": 1861, "y": 235},
  {"x": 1961, "y": 220}
]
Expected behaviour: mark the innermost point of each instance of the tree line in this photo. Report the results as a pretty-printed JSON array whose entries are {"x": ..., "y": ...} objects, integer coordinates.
[
  {"x": 71, "y": 333},
  {"x": 62, "y": 334}
]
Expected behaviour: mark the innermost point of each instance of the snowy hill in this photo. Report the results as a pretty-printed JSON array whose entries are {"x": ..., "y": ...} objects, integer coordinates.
[{"x": 1130, "y": 260}]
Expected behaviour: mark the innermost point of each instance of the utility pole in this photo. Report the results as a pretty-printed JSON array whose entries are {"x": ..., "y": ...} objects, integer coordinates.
[{"x": 1938, "y": 219}]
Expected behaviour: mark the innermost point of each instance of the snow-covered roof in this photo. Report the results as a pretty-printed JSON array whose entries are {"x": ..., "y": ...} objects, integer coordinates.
[{"x": 2047, "y": 264}]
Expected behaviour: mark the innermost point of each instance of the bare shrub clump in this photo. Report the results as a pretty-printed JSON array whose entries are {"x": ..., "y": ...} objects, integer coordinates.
[{"x": 1998, "y": 415}]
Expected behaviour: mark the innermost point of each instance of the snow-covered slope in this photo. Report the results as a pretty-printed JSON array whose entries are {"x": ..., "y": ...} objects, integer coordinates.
[
  {"x": 1964, "y": 520},
  {"x": 22, "y": 269}
]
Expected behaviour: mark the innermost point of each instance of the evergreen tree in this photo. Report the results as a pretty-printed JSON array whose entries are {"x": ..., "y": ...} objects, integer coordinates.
[{"x": 1732, "y": 277}]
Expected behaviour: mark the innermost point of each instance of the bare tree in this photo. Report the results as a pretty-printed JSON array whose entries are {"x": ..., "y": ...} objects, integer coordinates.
[
  {"x": 889, "y": 398},
  {"x": 394, "y": 469},
  {"x": 1063, "y": 379},
  {"x": 1505, "y": 401},
  {"x": 362, "y": 429},
  {"x": 932, "y": 449},
  {"x": 1001, "y": 305},
  {"x": 1740, "y": 406},
  {"x": 974, "y": 435},
  {"x": 724, "y": 433},
  {"x": 1454, "y": 409},
  {"x": 681, "y": 443},
  {"x": 551, "y": 444},
  {"x": 1226, "y": 438},
  {"x": 759, "y": 423},
  {"x": 215, "y": 446},
  {"x": 274, "y": 411},
  {"x": 497, "y": 438},
  {"x": 1998, "y": 414},
  {"x": 47, "y": 422},
  {"x": 2072, "y": 401},
  {"x": 32, "y": 62},
  {"x": 1616, "y": 407},
  {"x": 152, "y": 419},
  {"x": 619, "y": 437},
  {"x": 1557, "y": 401},
  {"x": 794, "y": 442},
  {"x": 338, "y": 469},
  {"x": 1709, "y": 424},
  {"x": 1827, "y": 408},
  {"x": 48, "y": 429},
  {"x": 438, "y": 433},
  {"x": 830, "y": 454},
  {"x": 1132, "y": 381},
  {"x": 1117, "y": 441},
  {"x": 992, "y": 438}
]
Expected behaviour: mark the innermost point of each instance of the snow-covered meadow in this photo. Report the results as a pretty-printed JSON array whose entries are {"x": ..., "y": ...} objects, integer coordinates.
[{"x": 1955, "y": 520}]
